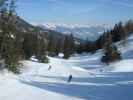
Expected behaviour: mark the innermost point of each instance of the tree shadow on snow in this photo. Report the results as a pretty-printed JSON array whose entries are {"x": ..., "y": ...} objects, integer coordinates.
[
  {"x": 128, "y": 54},
  {"x": 110, "y": 78},
  {"x": 86, "y": 92}
]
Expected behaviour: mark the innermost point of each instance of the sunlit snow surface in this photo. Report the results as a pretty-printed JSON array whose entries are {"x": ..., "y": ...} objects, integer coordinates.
[{"x": 92, "y": 80}]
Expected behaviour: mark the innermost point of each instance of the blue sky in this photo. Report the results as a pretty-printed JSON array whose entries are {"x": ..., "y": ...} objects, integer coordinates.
[{"x": 92, "y": 12}]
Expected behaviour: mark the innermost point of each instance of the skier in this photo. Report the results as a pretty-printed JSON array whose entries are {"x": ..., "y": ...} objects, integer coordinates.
[
  {"x": 49, "y": 67},
  {"x": 69, "y": 78},
  {"x": 101, "y": 70}
]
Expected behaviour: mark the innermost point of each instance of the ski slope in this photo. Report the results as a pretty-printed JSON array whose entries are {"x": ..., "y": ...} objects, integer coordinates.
[{"x": 92, "y": 80}]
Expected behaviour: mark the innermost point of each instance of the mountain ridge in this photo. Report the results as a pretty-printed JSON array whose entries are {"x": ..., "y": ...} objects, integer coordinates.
[{"x": 85, "y": 32}]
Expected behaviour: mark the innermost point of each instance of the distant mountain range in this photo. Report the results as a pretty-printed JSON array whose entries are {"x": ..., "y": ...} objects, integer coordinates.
[
  {"x": 59, "y": 31},
  {"x": 79, "y": 31}
]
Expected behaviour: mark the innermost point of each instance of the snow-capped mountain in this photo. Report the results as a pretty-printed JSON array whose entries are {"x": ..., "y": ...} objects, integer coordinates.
[{"x": 79, "y": 31}]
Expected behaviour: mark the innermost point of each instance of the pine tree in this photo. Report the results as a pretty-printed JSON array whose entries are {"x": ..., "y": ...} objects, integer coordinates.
[
  {"x": 29, "y": 45},
  {"x": 129, "y": 26},
  {"x": 52, "y": 44},
  {"x": 41, "y": 50},
  {"x": 68, "y": 46},
  {"x": 10, "y": 52},
  {"x": 110, "y": 51}
]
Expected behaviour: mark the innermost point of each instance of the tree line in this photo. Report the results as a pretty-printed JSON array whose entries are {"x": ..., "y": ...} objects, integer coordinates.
[
  {"x": 16, "y": 45},
  {"x": 106, "y": 41}
]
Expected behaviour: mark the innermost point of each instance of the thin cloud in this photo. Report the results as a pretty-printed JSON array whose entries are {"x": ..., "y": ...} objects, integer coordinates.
[
  {"x": 125, "y": 4},
  {"x": 24, "y": 3},
  {"x": 88, "y": 10},
  {"x": 54, "y": 0}
]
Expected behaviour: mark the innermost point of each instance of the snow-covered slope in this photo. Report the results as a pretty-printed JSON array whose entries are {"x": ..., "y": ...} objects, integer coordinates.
[
  {"x": 92, "y": 80},
  {"x": 79, "y": 31}
]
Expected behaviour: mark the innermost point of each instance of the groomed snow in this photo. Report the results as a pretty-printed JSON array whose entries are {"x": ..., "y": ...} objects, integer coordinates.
[{"x": 92, "y": 80}]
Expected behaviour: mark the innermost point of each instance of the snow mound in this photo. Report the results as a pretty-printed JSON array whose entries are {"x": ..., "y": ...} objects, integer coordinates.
[{"x": 122, "y": 66}]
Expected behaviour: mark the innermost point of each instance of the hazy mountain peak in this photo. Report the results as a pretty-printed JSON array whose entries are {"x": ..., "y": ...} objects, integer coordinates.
[{"x": 80, "y": 31}]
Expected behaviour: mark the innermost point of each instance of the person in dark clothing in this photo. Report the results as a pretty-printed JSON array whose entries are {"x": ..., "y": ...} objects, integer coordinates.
[
  {"x": 49, "y": 67},
  {"x": 69, "y": 78},
  {"x": 101, "y": 70}
]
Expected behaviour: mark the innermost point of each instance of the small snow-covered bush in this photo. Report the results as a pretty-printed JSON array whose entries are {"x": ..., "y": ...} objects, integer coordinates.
[
  {"x": 111, "y": 54},
  {"x": 44, "y": 59},
  {"x": 14, "y": 68}
]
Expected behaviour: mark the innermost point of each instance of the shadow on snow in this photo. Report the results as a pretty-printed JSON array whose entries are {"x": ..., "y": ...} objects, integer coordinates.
[{"x": 99, "y": 91}]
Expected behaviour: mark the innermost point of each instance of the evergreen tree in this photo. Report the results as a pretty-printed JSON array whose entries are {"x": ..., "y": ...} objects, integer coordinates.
[
  {"x": 8, "y": 48},
  {"x": 41, "y": 50},
  {"x": 52, "y": 45},
  {"x": 68, "y": 46},
  {"x": 110, "y": 51},
  {"x": 29, "y": 45},
  {"x": 129, "y": 26}
]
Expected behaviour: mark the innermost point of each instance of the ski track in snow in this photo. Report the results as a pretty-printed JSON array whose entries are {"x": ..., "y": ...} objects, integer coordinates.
[{"x": 91, "y": 80}]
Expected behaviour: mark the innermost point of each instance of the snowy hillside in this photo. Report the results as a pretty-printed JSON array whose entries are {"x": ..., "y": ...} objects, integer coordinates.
[
  {"x": 79, "y": 31},
  {"x": 92, "y": 80}
]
